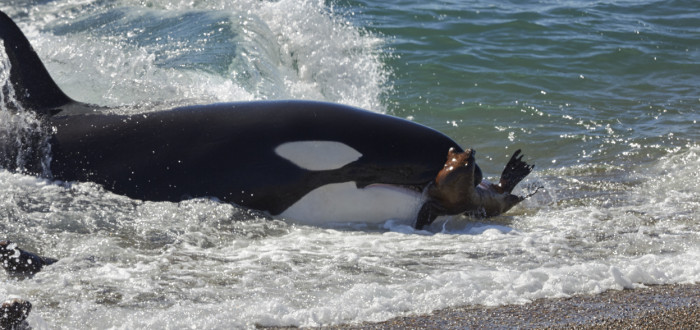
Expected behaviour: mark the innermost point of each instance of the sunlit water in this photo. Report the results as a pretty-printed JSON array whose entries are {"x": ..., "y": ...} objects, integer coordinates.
[{"x": 603, "y": 97}]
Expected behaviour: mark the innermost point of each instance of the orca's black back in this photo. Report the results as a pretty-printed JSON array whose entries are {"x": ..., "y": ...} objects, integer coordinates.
[{"x": 227, "y": 151}]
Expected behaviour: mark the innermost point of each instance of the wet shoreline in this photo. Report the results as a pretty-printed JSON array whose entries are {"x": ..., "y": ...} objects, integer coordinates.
[{"x": 660, "y": 306}]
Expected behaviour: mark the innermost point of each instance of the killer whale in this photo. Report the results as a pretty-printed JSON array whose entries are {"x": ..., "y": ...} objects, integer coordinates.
[
  {"x": 232, "y": 151},
  {"x": 294, "y": 159}
]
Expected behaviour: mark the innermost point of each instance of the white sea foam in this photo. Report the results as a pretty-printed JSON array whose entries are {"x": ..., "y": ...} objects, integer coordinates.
[{"x": 137, "y": 265}]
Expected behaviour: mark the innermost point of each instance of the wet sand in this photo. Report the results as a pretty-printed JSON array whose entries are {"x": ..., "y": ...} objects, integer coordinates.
[{"x": 654, "y": 307}]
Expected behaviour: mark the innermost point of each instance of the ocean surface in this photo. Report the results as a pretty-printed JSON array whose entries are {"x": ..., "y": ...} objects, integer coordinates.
[{"x": 603, "y": 96}]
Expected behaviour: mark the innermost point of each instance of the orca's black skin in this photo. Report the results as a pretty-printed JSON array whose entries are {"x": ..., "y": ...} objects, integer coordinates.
[
  {"x": 220, "y": 150},
  {"x": 227, "y": 151}
]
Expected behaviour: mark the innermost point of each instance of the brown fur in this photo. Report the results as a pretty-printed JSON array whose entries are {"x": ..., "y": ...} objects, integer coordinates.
[{"x": 454, "y": 190}]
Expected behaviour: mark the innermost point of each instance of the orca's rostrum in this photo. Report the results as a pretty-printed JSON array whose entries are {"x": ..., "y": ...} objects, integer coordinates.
[{"x": 311, "y": 162}]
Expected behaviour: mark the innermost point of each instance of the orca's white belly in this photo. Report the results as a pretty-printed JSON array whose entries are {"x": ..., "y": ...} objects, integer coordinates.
[{"x": 344, "y": 202}]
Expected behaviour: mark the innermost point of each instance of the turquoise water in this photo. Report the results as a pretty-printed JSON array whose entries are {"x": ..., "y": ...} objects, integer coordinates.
[
  {"x": 602, "y": 96},
  {"x": 588, "y": 79}
]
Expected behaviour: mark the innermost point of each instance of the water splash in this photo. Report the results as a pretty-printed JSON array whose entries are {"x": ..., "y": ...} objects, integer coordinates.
[
  {"x": 203, "y": 52},
  {"x": 24, "y": 141}
]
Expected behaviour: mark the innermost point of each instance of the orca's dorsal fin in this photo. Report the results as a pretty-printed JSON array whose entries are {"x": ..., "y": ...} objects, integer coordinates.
[{"x": 34, "y": 87}]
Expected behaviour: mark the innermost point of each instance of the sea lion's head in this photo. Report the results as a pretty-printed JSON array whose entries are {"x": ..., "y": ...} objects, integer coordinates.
[{"x": 454, "y": 186}]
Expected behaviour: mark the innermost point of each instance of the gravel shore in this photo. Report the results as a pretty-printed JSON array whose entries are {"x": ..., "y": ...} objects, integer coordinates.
[{"x": 657, "y": 307}]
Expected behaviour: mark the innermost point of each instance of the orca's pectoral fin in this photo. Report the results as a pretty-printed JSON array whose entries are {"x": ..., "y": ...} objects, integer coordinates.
[
  {"x": 427, "y": 214},
  {"x": 516, "y": 170},
  {"x": 34, "y": 88}
]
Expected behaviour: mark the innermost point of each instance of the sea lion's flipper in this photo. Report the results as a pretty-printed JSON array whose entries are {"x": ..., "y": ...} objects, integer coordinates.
[
  {"x": 427, "y": 214},
  {"x": 516, "y": 170},
  {"x": 20, "y": 263},
  {"x": 13, "y": 313}
]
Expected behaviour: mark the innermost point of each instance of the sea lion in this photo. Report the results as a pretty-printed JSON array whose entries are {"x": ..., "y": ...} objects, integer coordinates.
[{"x": 453, "y": 193}]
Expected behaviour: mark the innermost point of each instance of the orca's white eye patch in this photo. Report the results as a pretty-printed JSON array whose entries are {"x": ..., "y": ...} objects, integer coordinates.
[{"x": 318, "y": 155}]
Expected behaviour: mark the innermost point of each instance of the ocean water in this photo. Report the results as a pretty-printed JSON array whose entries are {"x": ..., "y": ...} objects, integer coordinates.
[{"x": 604, "y": 97}]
